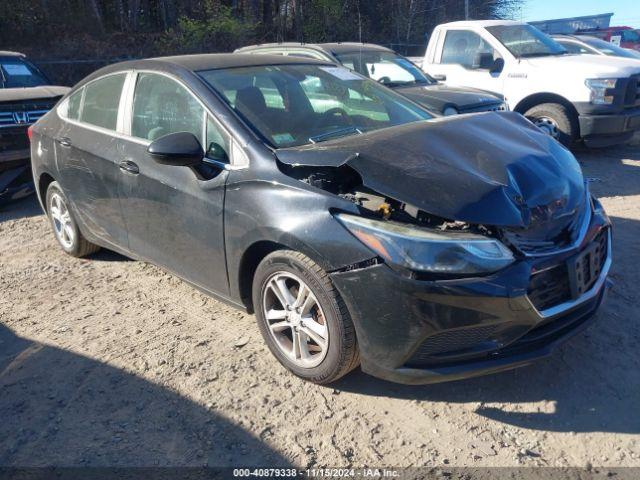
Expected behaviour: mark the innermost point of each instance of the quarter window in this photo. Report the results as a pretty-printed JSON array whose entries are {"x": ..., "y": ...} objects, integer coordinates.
[
  {"x": 468, "y": 49},
  {"x": 162, "y": 106},
  {"x": 101, "y": 102},
  {"x": 73, "y": 105}
]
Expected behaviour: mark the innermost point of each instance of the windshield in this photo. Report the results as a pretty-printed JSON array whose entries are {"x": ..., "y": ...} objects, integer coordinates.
[
  {"x": 609, "y": 48},
  {"x": 16, "y": 73},
  {"x": 291, "y": 105},
  {"x": 385, "y": 67},
  {"x": 630, "y": 36},
  {"x": 526, "y": 41}
]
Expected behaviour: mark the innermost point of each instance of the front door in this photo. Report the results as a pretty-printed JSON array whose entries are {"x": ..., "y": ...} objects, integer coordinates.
[
  {"x": 87, "y": 157},
  {"x": 466, "y": 60},
  {"x": 174, "y": 215}
]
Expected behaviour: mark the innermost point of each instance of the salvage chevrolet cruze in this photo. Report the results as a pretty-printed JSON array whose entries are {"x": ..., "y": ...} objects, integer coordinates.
[{"x": 360, "y": 230}]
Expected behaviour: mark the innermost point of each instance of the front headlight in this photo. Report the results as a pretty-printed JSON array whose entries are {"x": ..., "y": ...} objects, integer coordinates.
[
  {"x": 602, "y": 90},
  {"x": 425, "y": 250}
]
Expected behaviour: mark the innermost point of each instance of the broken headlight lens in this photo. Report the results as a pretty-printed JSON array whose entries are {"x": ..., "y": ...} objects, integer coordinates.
[
  {"x": 425, "y": 250},
  {"x": 602, "y": 90}
]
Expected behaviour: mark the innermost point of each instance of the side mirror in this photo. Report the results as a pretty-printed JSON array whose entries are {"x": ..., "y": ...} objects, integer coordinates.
[
  {"x": 484, "y": 61},
  {"x": 181, "y": 149},
  {"x": 498, "y": 66},
  {"x": 217, "y": 152}
]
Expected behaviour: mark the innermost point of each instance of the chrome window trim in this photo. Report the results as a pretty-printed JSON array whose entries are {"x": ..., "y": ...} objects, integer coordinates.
[{"x": 595, "y": 290}]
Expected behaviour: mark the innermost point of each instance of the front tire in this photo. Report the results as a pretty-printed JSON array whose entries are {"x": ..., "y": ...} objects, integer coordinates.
[
  {"x": 556, "y": 120},
  {"x": 303, "y": 319},
  {"x": 65, "y": 227}
]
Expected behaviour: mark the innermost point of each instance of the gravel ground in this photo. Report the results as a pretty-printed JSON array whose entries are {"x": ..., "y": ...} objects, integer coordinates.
[{"x": 108, "y": 361}]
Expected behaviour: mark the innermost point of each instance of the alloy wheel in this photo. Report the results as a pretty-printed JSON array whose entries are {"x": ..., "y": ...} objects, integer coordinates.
[
  {"x": 295, "y": 319},
  {"x": 62, "y": 223}
]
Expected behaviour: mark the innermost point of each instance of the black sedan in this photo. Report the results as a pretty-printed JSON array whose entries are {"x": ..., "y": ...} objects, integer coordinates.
[
  {"x": 394, "y": 71},
  {"x": 360, "y": 230}
]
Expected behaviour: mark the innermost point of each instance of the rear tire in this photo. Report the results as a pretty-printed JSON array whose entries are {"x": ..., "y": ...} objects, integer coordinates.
[
  {"x": 65, "y": 227},
  {"x": 330, "y": 350},
  {"x": 557, "y": 120}
]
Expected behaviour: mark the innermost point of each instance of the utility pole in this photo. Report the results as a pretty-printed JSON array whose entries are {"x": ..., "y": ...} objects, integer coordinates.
[{"x": 466, "y": 9}]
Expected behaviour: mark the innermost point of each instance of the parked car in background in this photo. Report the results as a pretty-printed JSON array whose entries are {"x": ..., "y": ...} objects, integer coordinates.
[
  {"x": 625, "y": 37},
  {"x": 584, "y": 44},
  {"x": 357, "y": 227},
  {"x": 25, "y": 96},
  {"x": 595, "y": 99},
  {"x": 394, "y": 71}
]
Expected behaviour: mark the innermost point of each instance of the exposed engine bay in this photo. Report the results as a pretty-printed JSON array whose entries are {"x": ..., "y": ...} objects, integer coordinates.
[{"x": 346, "y": 183}]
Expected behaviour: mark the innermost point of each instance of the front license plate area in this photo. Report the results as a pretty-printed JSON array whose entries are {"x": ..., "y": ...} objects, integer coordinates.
[{"x": 584, "y": 270}]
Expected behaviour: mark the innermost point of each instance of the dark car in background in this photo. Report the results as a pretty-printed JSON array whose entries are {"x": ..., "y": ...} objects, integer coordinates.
[
  {"x": 359, "y": 228},
  {"x": 587, "y": 45},
  {"x": 25, "y": 96},
  {"x": 394, "y": 71}
]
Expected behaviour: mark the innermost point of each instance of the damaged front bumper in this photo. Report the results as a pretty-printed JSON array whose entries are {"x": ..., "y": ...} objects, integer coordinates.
[
  {"x": 16, "y": 180},
  {"x": 421, "y": 331}
]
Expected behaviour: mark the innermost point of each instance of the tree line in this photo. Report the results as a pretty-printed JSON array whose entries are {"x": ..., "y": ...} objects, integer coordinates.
[{"x": 85, "y": 28}]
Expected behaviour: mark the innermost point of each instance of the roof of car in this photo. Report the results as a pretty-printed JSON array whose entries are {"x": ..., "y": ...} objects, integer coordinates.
[
  {"x": 7, "y": 53},
  {"x": 332, "y": 47},
  {"x": 213, "y": 61},
  {"x": 482, "y": 23}
]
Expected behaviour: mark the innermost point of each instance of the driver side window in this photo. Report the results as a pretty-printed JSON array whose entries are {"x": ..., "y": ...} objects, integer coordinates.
[
  {"x": 162, "y": 106},
  {"x": 468, "y": 49}
]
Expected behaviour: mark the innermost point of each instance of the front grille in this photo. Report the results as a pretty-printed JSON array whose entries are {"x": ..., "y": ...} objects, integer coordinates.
[
  {"x": 22, "y": 114},
  {"x": 549, "y": 287},
  {"x": 452, "y": 341},
  {"x": 494, "y": 107},
  {"x": 632, "y": 97},
  {"x": 571, "y": 279}
]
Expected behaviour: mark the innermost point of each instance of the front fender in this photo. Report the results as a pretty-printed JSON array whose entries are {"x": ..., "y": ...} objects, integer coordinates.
[{"x": 299, "y": 219}]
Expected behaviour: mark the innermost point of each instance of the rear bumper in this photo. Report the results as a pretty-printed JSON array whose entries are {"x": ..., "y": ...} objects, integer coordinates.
[
  {"x": 604, "y": 130},
  {"x": 470, "y": 327}
]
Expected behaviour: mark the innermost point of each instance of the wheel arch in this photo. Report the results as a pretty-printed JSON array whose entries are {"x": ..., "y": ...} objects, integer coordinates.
[
  {"x": 44, "y": 180},
  {"x": 545, "y": 97}
]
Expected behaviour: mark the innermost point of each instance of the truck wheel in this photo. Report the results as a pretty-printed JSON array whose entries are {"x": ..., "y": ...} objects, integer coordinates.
[
  {"x": 556, "y": 120},
  {"x": 64, "y": 225},
  {"x": 303, "y": 319}
]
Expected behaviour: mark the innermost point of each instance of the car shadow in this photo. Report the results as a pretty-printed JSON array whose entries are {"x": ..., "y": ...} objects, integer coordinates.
[
  {"x": 60, "y": 408},
  {"x": 589, "y": 384},
  {"x": 23, "y": 208}
]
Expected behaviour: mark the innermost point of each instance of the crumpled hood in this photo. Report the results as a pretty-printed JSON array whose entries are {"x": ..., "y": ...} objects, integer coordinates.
[
  {"x": 12, "y": 95},
  {"x": 442, "y": 96},
  {"x": 489, "y": 168}
]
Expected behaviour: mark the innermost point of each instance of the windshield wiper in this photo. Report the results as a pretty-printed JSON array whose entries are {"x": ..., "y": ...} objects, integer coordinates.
[{"x": 336, "y": 133}]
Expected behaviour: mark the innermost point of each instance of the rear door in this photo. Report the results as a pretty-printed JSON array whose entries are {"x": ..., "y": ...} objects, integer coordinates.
[
  {"x": 174, "y": 215},
  {"x": 87, "y": 152}
]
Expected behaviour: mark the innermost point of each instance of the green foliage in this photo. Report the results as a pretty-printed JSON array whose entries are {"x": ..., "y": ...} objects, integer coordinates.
[{"x": 218, "y": 31}]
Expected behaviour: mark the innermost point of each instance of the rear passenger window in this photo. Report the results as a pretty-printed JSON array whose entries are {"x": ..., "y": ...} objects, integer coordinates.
[
  {"x": 162, "y": 106},
  {"x": 101, "y": 101}
]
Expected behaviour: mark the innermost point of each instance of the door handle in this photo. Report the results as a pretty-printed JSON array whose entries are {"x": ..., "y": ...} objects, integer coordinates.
[
  {"x": 129, "y": 167},
  {"x": 440, "y": 77},
  {"x": 64, "y": 141}
]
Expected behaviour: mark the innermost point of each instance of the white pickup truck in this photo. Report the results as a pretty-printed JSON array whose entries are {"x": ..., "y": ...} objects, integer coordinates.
[{"x": 591, "y": 98}]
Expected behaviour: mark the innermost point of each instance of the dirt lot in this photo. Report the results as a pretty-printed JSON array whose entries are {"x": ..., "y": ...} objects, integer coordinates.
[{"x": 107, "y": 361}]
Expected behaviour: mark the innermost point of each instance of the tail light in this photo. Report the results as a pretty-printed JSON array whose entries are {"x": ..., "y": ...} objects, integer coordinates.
[{"x": 30, "y": 132}]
